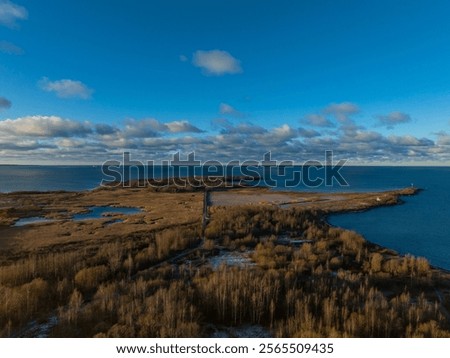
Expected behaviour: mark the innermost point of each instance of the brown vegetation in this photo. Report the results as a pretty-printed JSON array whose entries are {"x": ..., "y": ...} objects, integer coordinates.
[{"x": 157, "y": 282}]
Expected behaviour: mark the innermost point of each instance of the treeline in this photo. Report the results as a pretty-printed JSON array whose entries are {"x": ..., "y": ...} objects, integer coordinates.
[{"x": 335, "y": 284}]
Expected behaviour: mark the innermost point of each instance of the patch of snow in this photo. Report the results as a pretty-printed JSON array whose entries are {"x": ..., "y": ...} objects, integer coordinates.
[{"x": 231, "y": 258}]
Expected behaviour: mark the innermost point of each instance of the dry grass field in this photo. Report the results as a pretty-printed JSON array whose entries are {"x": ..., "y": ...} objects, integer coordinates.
[{"x": 159, "y": 210}]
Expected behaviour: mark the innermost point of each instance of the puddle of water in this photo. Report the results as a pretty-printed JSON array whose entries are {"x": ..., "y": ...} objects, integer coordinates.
[
  {"x": 32, "y": 220},
  {"x": 95, "y": 212},
  {"x": 99, "y": 212}
]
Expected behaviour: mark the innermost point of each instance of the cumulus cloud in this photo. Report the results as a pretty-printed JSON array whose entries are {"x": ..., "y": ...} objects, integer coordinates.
[
  {"x": 53, "y": 136},
  {"x": 443, "y": 138},
  {"x": 66, "y": 88},
  {"x": 364, "y": 136},
  {"x": 409, "y": 140},
  {"x": 142, "y": 128},
  {"x": 44, "y": 126},
  {"x": 370, "y": 146},
  {"x": 5, "y": 103},
  {"x": 10, "y": 49},
  {"x": 285, "y": 132},
  {"x": 182, "y": 127},
  {"x": 240, "y": 128},
  {"x": 10, "y": 13},
  {"x": 248, "y": 138},
  {"x": 105, "y": 129},
  {"x": 342, "y": 111},
  {"x": 393, "y": 118},
  {"x": 333, "y": 114},
  {"x": 151, "y": 127},
  {"x": 216, "y": 62}
]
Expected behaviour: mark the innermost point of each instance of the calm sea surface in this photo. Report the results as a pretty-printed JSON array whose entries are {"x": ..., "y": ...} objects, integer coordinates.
[{"x": 421, "y": 226}]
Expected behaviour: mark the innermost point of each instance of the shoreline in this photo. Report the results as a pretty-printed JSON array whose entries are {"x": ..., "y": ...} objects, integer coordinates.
[{"x": 382, "y": 247}]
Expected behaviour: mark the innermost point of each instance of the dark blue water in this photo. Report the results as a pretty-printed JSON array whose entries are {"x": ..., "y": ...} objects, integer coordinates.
[
  {"x": 48, "y": 178},
  {"x": 420, "y": 226},
  {"x": 98, "y": 212},
  {"x": 75, "y": 178}
]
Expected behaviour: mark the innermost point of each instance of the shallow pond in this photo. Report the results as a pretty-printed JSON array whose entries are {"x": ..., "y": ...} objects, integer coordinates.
[{"x": 95, "y": 212}]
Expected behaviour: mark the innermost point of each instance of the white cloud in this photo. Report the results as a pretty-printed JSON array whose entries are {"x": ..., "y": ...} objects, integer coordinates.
[
  {"x": 308, "y": 133},
  {"x": 443, "y": 138},
  {"x": 183, "y": 58},
  {"x": 50, "y": 137},
  {"x": 66, "y": 88},
  {"x": 143, "y": 128},
  {"x": 342, "y": 111},
  {"x": 21, "y": 145},
  {"x": 182, "y": 127},
  {"x": 10, "y": 49},
  {"x": 70, "y": 143},
  {"x": 10, "y": 13},
  {"x": 105, "y": 129},
  {"x": 327, "y": 117},
  {"x": 409, "y": 141},
  {"x": 216, "y": 62},
  {"x": 227, "y": 109},
  {"x": 239, "y": 129},
  {"x": 364, "y": 136},
  {"x": 44, "y": 126},
  {"x": 151, "y": 127},
  {"x": 393, "y": 119},
  {"x": 317, "y": 120},
  {"x": 4, "y": 103},
  {"x": 285, "y": 132},
  {"x": 344, "y": 107}
]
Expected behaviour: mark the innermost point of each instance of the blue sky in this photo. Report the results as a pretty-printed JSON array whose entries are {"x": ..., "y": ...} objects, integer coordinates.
[{"x": 83, "y": 81}]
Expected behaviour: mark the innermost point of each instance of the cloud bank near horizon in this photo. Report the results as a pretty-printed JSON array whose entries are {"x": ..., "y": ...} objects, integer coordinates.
[{"x": 52, "y": 138}]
